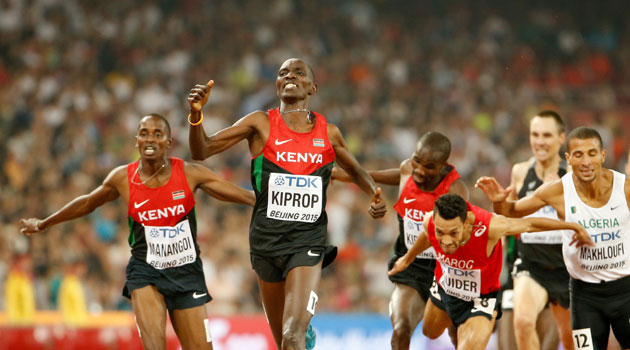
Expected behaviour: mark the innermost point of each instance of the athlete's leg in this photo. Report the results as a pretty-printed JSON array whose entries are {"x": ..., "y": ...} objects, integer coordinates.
[
  {"x": 475, "y": 332},
  {"x": 613, "y": 344},
  {"x": 272, "y": 294},
  {"x": 590, "y": 327},
  {"x": 435, "y": 321},
  {"x": 621, "y": 328},
  {"x": 563, "y": 322},
  {"x": 547, "y": 330},
  {"x": 529, "y": 300},
  {"x": 300, "y": 300},
  {"x": 505, "y": 329},
  {"x": 407, "y": 310},
  {"x": 191, "y": 327},
  {"x": 149, "y": 308}
]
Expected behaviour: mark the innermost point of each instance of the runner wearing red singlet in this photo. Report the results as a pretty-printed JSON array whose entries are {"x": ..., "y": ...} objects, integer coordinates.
[
  {"x": 467, "y": 244},
  {"x": 293, "y": 150},
  {"x": 421, "y": 179},
  {"x": 164, "y": 273}
]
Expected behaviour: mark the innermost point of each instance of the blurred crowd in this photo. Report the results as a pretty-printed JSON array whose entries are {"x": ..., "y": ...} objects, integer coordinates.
[{"x": 76, "y": 76}]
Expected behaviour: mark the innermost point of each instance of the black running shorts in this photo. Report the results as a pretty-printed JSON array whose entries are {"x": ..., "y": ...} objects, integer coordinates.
[
  {"x": 276, "y": 268},
  {"x": 182, "y": 287},
  {"x": 418, "y": 275},
  {"x": 595, "y": 308},
  {"x": 459, "y": 310}
]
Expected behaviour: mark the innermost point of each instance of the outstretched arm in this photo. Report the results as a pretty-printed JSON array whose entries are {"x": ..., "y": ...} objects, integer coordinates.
[
  {"x": 502, "y": 226},
  {"x": 214, "y": 185},
  {"x": 82, "y": 205},
  {"x": 421, "y": 244},
  {"x": 359, "y": 176},
  {"x": 202, "y": 146},
  {"x": 385, "y": 177}
]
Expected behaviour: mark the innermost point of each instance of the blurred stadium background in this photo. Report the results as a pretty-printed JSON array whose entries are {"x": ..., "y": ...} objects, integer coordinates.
[{"x": 77, "y": 75}]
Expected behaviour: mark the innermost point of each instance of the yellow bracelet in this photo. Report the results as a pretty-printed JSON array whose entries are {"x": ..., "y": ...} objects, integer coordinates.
[{"x": 197, "y": 123}]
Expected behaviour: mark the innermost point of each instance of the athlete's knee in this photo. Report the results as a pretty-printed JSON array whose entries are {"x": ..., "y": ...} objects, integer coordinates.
[
  {"x": 153, "y": 341},
  {"x": 523, "y": 324},
  {"x": 431, "y": 332},
  {"x": 403, "y": 328}
]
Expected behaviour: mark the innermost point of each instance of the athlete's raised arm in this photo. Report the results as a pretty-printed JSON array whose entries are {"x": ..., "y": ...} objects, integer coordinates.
[
  {"x": 210, "y": 182},
  {"x": 359, "y": 176},
  {"x": 202, "y": 146},
  {"x": 522, "y": 207},
  {"x": 108, "y": 191}
]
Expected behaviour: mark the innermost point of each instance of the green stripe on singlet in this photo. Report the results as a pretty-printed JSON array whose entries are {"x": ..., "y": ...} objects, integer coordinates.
[
  {"x": 132, "y": 237},
  {"x": 257, "y": 171}
]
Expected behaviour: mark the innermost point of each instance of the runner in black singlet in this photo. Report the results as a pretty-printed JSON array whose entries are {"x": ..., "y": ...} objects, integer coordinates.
[{"x": 539, "y": 275}]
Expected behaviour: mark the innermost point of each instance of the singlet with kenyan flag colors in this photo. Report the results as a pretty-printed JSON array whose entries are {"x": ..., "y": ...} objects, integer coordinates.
[
  {"x": 469, "y": 272},
  {"x": 413, "y": 204},
  {"x": 162, "y": 221},
  {"x": 290, "y": 178}
]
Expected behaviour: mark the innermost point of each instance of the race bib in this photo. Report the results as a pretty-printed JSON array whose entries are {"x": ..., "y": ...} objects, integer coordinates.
[
  {"x": 462, "y": 284},
  {"x": 412, "y": 230},
  {"x": 605, "y": 255},
  {"x": 294, "y": 197},
  {"x": 170, "y": 246},
  {"x": 485, "y": 305},
  {"x": 582, "y": 339}
]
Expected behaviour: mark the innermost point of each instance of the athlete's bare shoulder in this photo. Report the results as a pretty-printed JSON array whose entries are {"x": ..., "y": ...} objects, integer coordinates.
[
  {"x": 405, "y": 167},
  {"x": 255, "y": 118},
  {"x": 335, "y": 136},
  {"x": 519, "y": 170},
  {"x": 117, "y": 176}
]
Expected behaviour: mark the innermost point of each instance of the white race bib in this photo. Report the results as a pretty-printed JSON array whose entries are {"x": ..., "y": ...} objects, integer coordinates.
[
  {"x": 462, "y": 284},
  {"x": 582, "y": 339},
  {"x": 413, "y": 229},
  {"x": 605, "y": 255},
  {"x": 294, "y": 197},
  {"x": 170, "y": 246}
]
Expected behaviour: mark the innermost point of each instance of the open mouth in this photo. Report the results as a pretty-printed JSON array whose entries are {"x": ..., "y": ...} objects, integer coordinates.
[
  {"x": 149, "y": 150},
  {"x": 586, "y": 172}
]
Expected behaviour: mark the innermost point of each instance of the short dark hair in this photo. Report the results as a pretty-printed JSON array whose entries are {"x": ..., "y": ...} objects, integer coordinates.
[
  {"x": 438, "y": 144},
  {"x": 450, "y": 206},
  {"x": 547, "y": 113},
  {"x": 159, "y": 116},
  {"x": 584, "y": 133}
]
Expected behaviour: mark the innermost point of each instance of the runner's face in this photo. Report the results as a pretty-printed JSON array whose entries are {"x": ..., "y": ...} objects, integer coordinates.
[
  {"x": 449, "y": 233},
  {"x": 586, "y": 157},
  {"x": 544, "y": 138},
  {"x": 425, "y": 168},
  {"x": 152, "y": 139},
  {"x": 294, "y": 81}
]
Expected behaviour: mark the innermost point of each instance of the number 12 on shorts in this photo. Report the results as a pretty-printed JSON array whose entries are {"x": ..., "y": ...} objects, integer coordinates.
[
  {"x": 312, "y": 302},
  {"x": 582, "y": 339}
]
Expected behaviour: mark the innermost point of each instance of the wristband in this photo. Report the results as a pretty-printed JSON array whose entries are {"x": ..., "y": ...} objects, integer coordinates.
[{"x": 198, "y": 122}]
